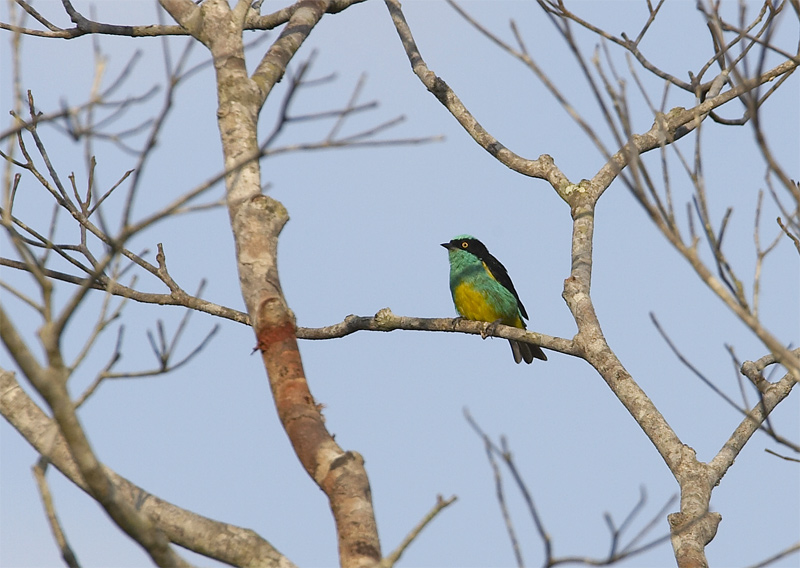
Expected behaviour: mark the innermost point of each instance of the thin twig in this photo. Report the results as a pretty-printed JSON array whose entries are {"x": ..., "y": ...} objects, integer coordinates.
[
  {"x": 440, "y": 505},
  {"x": 39, "y": 473}
]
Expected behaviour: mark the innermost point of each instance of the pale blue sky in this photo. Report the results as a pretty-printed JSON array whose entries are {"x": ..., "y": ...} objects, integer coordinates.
[{"x": 364, "y": 233}]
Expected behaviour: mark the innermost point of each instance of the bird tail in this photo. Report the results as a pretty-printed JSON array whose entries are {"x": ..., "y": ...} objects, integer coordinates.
[{"x": 526, "y": 352}]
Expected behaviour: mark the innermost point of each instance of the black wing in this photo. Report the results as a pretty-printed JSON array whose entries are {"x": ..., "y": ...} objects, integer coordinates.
[
  {"x": 501, "y": 275},
  {"x": 495, "y": 267}
]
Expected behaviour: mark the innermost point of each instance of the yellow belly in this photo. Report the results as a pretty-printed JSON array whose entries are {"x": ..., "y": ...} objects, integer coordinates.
[{"x": 472, "y": 304}]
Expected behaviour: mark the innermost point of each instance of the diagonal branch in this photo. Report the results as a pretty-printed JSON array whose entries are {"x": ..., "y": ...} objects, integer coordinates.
[
  {"x": 40, "y": 473},
  {"x": 50, "y": 383},
  {"x": 394, "y": 557},
  {"x": 273, "y": 65},
  {"x": 227, "y": 543},
  {"x": 542, "y": 167}
]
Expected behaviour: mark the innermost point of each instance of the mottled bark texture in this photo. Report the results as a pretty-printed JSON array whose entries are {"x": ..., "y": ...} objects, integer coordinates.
[
  {"x": 227, "y": 543},
  {"x": 50, "y": 381},
  {"x": 257, "y": 221}
]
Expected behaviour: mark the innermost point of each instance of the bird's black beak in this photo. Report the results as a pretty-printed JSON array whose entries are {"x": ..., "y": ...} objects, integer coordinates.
[{"x": 448, "y": 246}]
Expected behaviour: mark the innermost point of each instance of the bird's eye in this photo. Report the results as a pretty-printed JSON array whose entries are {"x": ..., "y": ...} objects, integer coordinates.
[{"x": 464, "y": 244}]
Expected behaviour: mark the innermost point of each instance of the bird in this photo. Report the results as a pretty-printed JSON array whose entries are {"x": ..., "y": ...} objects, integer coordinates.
[{"x": 482, "y": 291}]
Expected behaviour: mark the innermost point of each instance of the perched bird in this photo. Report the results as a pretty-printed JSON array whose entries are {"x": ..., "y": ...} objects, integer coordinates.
[{"x": 483, "y": 291}]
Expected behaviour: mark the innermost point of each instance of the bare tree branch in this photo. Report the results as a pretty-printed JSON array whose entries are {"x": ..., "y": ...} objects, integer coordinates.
[
  {"x": 618, "y": 551},
  {"x": 84, "y": 26},
  {"x": 224, "y": 542},
  {"x": 39, "y": 473},
  {"x": 394, "y": 557},
  {"x": 50, "y": 382},
  {"x": 695, "y": 525}
]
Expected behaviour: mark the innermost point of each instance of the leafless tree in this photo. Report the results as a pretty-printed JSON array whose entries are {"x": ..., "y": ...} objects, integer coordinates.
[{"x": 736, "y": 45}]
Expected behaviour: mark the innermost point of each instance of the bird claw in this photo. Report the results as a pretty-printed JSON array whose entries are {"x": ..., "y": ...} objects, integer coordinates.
[{"x": 489, "y": 328}]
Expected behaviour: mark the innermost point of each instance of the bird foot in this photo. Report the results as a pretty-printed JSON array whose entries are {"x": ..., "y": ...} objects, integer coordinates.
[{"x": 489, "y": 328}]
